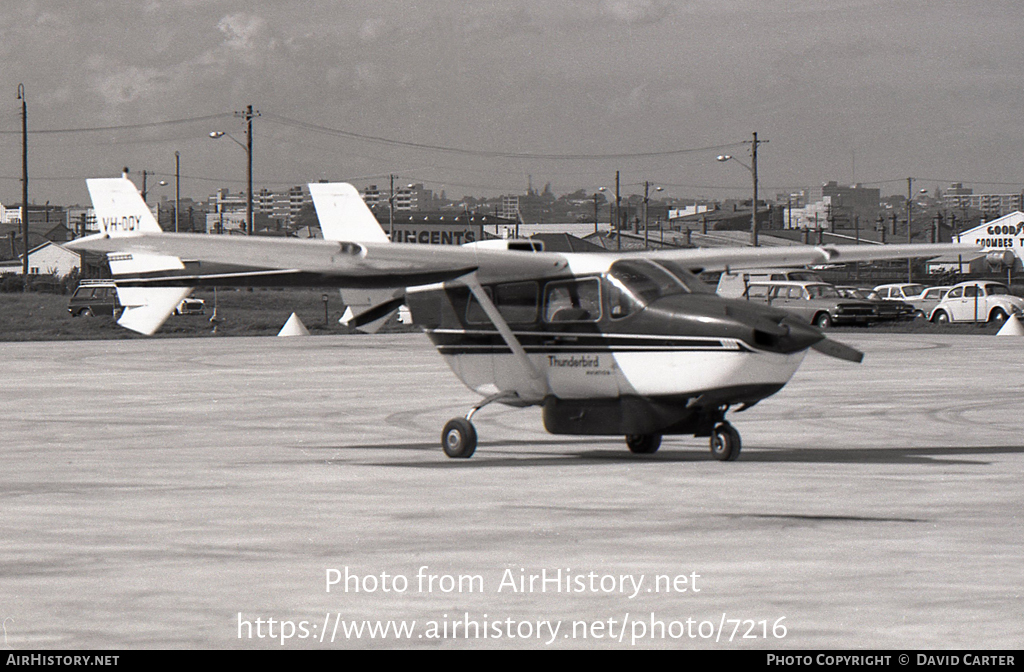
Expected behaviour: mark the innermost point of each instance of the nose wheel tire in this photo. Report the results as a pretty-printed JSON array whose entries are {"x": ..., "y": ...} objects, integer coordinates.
[
  {"x": 458, "y": 440},
  {"x": 643, "y": 444},
  {"x": 725, "y": 442}
]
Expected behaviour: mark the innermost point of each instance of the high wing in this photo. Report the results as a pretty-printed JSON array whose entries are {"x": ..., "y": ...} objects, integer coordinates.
[{"x": 149, "y": 258}]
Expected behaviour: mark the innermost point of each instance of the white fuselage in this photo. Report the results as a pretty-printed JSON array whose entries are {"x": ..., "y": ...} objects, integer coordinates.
[{"x": 627, "y": 365}]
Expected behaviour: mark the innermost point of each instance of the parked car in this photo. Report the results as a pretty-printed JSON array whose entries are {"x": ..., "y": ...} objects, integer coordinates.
[
  {"x": 899, "y": 291},
  {"x": 733, "y": 285},
  {"x": 928, "y": 299},
  {"x": 924, "y": 299},
  {"x": 978, "y": 301},
  {"x": 817, "y": 302},
  {"x": 94, "y": 297},
  {"x": 887, "y": 311},
  {"x": 190, "y": 306}
]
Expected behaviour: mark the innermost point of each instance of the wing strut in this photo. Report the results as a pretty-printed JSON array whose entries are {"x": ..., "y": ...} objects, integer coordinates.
[{"x": 538, "y": 379}]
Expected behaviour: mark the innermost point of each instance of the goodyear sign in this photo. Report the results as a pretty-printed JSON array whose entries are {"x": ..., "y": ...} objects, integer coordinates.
[{"x": 1003, "y": 234}]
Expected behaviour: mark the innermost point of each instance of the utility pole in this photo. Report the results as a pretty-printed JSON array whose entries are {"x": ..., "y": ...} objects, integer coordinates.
[
  {"x": 618, "y": 220},
  {"x": 24, "y": 185},
  {"x": 753, "y": 171},
  {"x": 177, "y": 187},
  {"x": 391, "y": 211},
  {"x": 595, "y": 213},
  {"x": 910, "y": 207},
  {"x": 248, "y": 115}
]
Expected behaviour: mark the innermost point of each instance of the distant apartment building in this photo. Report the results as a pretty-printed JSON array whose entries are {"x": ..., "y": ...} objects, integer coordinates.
[
  {"x": 509, "y": 207},
  {"x": 407, "y": 198},
  {"x": 845, "y": 204},
  {"x": 372, "y": 196},
  {"x": 283, "y": 206},
  {"x": 957, "y": 196}
]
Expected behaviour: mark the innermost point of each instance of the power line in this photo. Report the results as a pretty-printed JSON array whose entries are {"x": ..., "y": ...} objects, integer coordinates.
[
  {"x": 285, "y": 121},
  {"x": 123, "y": 127}
]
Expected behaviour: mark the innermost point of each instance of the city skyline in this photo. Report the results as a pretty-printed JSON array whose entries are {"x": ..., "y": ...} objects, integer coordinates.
[{"x": 479, "y": 98}]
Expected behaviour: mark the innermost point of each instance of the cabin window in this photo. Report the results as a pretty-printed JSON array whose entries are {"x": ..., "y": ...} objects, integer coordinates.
[
  {"x": 572, "y": 301},
  {"x": 759, "y": 292},
  {"x": 517, "y": 302}
]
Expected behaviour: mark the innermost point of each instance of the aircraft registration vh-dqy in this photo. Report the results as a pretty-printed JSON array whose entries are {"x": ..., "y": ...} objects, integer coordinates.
[{"x": 631, "y": 344}]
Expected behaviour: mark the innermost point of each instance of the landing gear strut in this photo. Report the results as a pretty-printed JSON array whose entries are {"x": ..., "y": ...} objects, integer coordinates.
[
  {"x": 458, "y": 439},
  {"x": 725, "y": 442}
]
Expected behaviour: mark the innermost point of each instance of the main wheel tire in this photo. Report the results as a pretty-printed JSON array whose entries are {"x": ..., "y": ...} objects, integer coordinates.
[
  {"x": 458, "y": 440},
  {"x": 643, "y": 444},
  {"x": 998, "y": 316},
  {"x": 725, "y": 442},
  {"x": 940, "y": 317},
  {"x": 85, "y": 312},
  {"x": 823, "y": 321}
]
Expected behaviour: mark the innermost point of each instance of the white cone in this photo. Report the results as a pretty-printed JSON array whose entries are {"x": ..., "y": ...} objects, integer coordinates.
[
  {"x": 293, "y": 327},
  {"x": 1012, "y": 327}
]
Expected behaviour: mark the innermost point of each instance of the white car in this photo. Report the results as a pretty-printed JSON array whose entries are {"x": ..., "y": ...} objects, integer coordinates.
[
  {"x": 922, "y": 298},
  {"x": 978, "y": 301},
  {"x": 190, "y": 306},
  {"x": 900, "y": 291}
]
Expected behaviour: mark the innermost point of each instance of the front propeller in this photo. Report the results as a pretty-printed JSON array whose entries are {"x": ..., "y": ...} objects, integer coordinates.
[{"x": 806, "y": 336}]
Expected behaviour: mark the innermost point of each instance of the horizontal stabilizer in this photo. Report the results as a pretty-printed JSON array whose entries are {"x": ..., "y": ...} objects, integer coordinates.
[
  {"x": 838, "y": 350},
  {"x": 377, "y": 313},
  {"x": 147, "y": 308}
]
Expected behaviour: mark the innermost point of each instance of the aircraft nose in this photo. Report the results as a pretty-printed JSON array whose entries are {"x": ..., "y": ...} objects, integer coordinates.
[
  {"x": 783, "y": 333},
  {"x": 800, "y": 337}
]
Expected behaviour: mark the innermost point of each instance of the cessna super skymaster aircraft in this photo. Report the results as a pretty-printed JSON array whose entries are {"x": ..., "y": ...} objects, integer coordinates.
[{"x": 630, "y": 344}]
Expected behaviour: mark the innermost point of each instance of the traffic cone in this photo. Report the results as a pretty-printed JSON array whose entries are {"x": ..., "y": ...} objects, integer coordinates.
[
  {"x": 1012, "y": 327},
  {"x": 293, "y": 327}
]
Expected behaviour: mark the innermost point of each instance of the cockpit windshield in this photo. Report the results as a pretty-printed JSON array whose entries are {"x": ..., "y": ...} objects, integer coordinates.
[
  {"x": 686, "y": 278},
  {"x": 644, "y": 281}
]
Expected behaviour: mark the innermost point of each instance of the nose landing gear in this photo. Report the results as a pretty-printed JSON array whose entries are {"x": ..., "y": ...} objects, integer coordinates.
[{"x": 725, "y": 442}]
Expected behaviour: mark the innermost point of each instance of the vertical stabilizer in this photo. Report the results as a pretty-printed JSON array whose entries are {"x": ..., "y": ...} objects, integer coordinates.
[
  {"x": 343, "y": 215},
  {"x": 120, "y": 210}
]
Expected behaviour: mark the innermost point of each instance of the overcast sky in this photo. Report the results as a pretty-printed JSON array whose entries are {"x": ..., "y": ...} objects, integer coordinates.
[{"x": 565, "y": 92}]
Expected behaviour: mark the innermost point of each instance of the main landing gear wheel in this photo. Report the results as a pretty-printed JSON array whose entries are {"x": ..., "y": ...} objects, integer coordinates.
[
  {"x": 458, "y": 438},
  {"x": 643, "y": 444},
  {"x": 725, "y": 442}
]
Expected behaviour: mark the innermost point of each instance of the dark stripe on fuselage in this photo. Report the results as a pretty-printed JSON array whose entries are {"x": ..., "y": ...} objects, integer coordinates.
[{"x": 456, "y": 342}]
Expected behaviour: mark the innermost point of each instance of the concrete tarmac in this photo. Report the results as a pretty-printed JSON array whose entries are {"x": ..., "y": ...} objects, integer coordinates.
[{"x": 201, "y": 493}]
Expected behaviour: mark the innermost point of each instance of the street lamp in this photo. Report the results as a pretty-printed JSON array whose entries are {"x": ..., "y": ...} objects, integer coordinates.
[
  {"x": 248, "y": 174},
  {"x": 603, "y": 191},
  {"x": 647, "y": 187},
  {"x": 753, "y": 172},
  {"x": 910, "y": 205}
]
